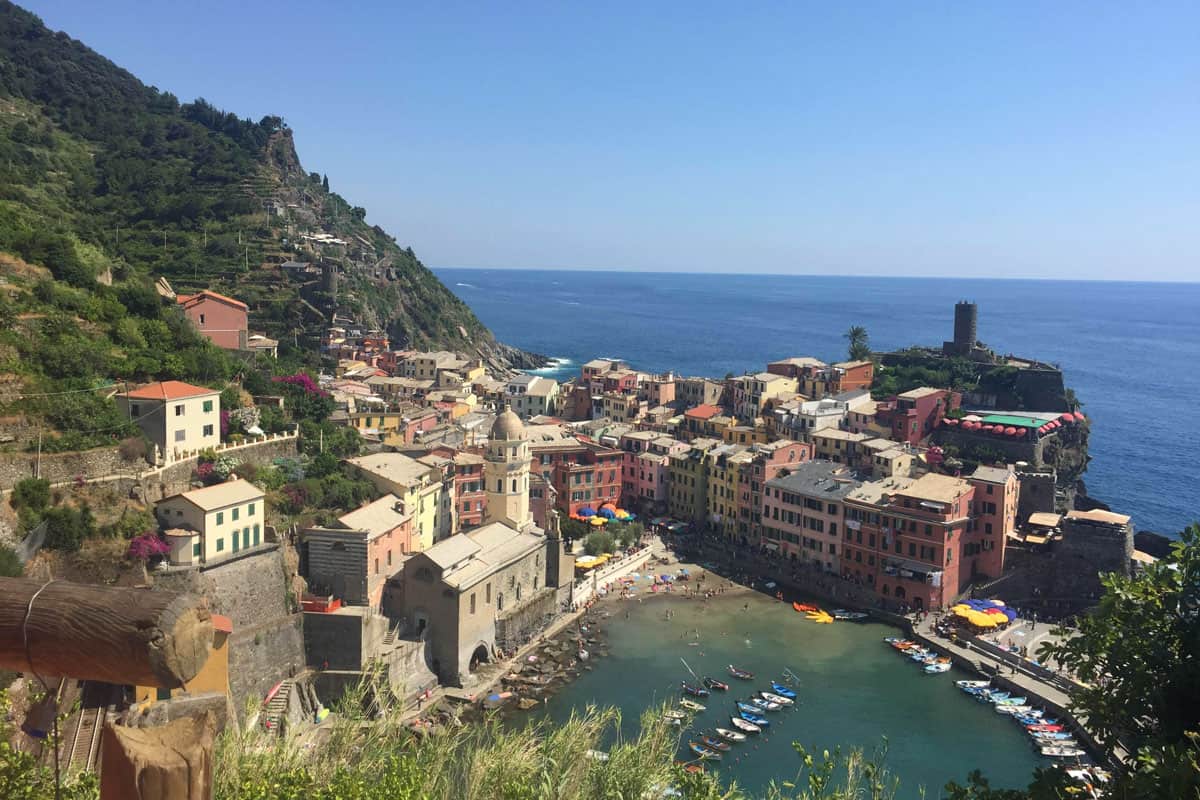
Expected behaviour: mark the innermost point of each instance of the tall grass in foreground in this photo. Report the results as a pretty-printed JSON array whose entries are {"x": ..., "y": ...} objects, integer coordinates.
[{"x": 381, "y": 758}]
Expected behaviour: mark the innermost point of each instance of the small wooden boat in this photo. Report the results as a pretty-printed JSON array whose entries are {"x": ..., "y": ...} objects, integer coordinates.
[
  {"x": 805, "y": 608},
  {"x": 714, "y": 684},
  {"x": 1051, "y": 736},
  {"x": 691, "y": 705},
  {"x": 673, "y": 714},
  {"x": 694, "y": 768},
  {"x": 1010, "y": 701},
  {"x": 973, "y": 684},
  {"x": 744, "y": 725},
  {"x": 731, "y": 736},
  {"x": 694, "y": 691},
  {"x": 1058, "y": 751},
  {"x": 741, "y": 674},
  {"x": 703, "y": 751},
  {"x": 820, "y": 616},
  {"x": 779, "y": 688},
  {"x": 1013, "y": 711},
  {"x": 777, "y": 698},
  {"x": 713, "y": 743},
  {"x": 1040, "y": 727},
  {"x": 765, "y": 704},
  {"x": 937, "y": 668}
]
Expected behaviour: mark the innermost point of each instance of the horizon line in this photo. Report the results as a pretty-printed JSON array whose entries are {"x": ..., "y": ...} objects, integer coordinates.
[{"x": 819, "y": 275}]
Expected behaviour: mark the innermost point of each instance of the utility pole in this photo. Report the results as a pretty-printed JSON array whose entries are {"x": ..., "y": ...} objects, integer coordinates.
[{"x": 37, "y": 467}]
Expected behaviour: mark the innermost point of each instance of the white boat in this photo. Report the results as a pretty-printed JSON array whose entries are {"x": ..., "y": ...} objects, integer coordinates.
[
  {"x": 972, "y": 684},
  {"x": 583, "y": 654},
  {"x": 672, "y": 714},
  {"x": 691, "y": 705},
  {"x": 744, "y": 725},
  {"x": 731, "y": 736},
  {"x": 777, "y": 698},
  {"x": 767, "y": 704},
  {"x": 937, "y": 668},
  {"x": 846, "y": 614},
  {"x": 1058, "y": 751},
  {"x": 1016, "y": 711}
]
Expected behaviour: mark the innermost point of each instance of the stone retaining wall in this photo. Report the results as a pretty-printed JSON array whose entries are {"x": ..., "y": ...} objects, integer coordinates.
[{"x": 64, "y": 467}]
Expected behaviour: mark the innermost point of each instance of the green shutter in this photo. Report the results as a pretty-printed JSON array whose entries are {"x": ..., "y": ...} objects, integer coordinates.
[
  {"x": 220, "y": 544},
  {"x": 208, "y": 405},
  {"x": 196, "y": 550},
  {"x": 220, "y": 517}
]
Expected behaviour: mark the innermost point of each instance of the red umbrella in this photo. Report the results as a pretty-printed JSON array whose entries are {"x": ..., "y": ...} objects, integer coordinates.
[
  {"x": 1079, "y": 417},
  {"x": 950, "y": 421},
  {"x": 1068, "y": 417},
  {"x": 1010, "y": 431}
]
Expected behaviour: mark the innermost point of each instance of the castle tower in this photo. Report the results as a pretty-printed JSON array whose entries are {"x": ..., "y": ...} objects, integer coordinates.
[
  {"x": 506, "y": 473},
  {"x": 966, "y": 321}
]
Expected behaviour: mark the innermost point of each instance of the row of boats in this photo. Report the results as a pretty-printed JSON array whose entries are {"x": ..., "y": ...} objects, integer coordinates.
[
  {"x": 1049, "y": 736},
  {"x": 750, "y": 718},
  {"x": 930, "y": 660}
]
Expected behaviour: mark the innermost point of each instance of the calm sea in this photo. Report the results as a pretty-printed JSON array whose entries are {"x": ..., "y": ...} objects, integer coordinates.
[
  {"x": 855, "y": 692},
  {"x": 1131, "y": 351}
]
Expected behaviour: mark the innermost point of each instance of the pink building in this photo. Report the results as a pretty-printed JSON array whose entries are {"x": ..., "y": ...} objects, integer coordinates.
[
  {"x": 645, "y": 470},
  {"x": 913, "y": 415},
  {"x": 802, "y": 512},
  {"x": 221, "y": 319},
  {"x": 659, "y": 390},
  {"x": 994, "y": 512},
  {"x": 762, "y": 463}
]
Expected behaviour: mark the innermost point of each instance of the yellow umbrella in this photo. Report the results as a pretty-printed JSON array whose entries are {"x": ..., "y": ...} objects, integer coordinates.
[
  {"x": 982, "y": 620},
  {"x": 597, "y": 522}
]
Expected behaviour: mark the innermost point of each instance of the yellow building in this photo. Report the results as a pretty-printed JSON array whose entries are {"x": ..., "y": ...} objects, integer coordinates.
[
  {"x": 425, "y": 488},
  {"x": 722, "y": 464},
  {"x": 212, "y": 677},
  {"x": 206, "y": 525},
  {"x": 837, "y": 445}
]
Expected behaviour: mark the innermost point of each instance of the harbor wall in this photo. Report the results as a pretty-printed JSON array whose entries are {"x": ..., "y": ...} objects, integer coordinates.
[{"x": 585, "y": 588}]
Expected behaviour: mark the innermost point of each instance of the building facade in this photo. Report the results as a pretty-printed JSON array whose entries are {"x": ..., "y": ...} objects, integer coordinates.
[
  {"x": 178, "y": 418},
  {"x": 210, "y": 524}
]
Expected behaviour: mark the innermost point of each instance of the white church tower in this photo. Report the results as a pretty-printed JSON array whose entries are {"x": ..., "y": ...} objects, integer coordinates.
[{"x": 506, "y": 473}]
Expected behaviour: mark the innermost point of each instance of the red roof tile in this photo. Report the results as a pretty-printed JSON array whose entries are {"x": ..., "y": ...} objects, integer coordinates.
[
  {"x": 185, "y": 299},
  {"x": 169, "y": 390},
  {"x": 704, "y": 411}
]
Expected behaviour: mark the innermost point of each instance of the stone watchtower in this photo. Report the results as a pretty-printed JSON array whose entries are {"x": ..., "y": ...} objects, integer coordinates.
[
  {"x": 506, "y": 473},
  {"x": 966, "y": 329}
]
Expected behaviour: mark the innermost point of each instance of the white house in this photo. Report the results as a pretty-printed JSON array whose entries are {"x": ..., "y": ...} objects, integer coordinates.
[
  {"x": 212, "y": 523},
  {"x": 180, "y": 419},
  {"x": 532, "y": 395}
]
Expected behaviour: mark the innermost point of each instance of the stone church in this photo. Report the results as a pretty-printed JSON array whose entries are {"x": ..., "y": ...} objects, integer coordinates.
[{"x": 495, "y": 587}]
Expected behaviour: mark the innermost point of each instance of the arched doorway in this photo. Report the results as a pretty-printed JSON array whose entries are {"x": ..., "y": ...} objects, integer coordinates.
[
  {"x": 480, "y": 656},
  {"x": 918, "y": 604},
  {"x": 899, "y": 592}
]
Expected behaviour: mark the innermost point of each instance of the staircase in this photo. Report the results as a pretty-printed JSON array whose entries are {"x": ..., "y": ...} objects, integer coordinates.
[
  {"x": 276, "y": 708},
  {"x": 389, "y": 638}
]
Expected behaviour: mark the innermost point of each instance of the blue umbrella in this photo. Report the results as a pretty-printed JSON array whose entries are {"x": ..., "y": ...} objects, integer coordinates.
[
  {"x": 587, "y": 511},
  {"x": 608, "y": 513}
]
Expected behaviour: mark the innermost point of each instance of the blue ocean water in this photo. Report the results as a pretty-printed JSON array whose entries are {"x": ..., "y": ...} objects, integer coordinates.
[{"x": 1131, "y": 351}]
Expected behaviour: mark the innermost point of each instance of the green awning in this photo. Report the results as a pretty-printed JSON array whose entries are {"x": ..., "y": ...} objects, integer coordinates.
[{"x": 1012, "y": 421}]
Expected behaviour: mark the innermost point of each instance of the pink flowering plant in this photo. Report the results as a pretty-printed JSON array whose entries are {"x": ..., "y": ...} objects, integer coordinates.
[{"x": 146, "y": 547}]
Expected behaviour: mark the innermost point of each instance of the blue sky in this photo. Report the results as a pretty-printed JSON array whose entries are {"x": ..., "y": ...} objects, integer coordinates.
[{"x": 1008, "y": 139}]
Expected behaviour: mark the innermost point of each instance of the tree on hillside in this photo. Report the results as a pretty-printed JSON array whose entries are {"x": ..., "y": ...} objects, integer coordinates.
[
  {"x": 1138, "y": 659},
  {"x": 860, "y": 349}
]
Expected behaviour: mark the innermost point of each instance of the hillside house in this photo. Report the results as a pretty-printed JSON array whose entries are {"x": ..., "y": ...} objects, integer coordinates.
[
  {"x": 178, "y": 418},
  {"x": 213, "y": 523}
]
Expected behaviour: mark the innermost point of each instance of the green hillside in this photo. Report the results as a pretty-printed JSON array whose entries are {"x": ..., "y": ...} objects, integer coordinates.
[{"x": 107, "y": 184}]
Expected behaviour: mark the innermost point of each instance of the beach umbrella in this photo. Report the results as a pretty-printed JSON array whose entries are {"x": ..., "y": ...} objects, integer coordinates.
[
  {"x": 597, "y": 521},
  {"x": 607, "y": 513},
  {"x": 1079, "y": 417},
  {"x": 1067, "y": 417},
  {"x": 587, "y": 511},
  {"x": 1010, "y": 431}
]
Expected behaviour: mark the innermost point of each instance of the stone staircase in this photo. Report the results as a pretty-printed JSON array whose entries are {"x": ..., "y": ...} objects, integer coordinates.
[
  {"x": 389, "y": 638},
  {"x": 276, "y": 710}
]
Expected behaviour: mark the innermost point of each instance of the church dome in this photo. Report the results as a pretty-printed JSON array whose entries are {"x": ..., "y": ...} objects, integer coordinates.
[{"x": 507, "y": 427}]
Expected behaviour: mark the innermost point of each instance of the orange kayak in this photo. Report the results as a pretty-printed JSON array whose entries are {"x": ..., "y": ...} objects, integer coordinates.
[{"x": 805, "y": 607}]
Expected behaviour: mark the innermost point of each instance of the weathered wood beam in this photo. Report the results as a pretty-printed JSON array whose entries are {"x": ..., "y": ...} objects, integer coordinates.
[
  {"x": 170, "y": 762},
  {"x": 103, "y": 633}
]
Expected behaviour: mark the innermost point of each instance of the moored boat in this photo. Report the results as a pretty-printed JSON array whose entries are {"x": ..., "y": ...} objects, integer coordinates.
[
  {"x": 972, "y": 684},
  {"x": 703, "y": 751},
  {"x": 1044, "y": 727},
  {"x": 744, "y": 725},
  {"x": 777, "y": 698},
  {"x": 714, "y": 684},
  {"x": 765, "y": 704},
  {"x": 937, "y": 668},
  {"x": 731, "y": 736},
  {"x": 673, "y": 714},
  {"x": 757, "y": 719},
  {"x": 779, "y": 688},
  {"x": 691, "y": 705},
  {"x": 740, "y": 674},
  {"x": 694, "y": 691},
  {"x": 805, "y": 608},
  {"x": 1010, "y": 701},
  {"x": 1057, "y": 751},
  {"x": 846, "y": 614},
  {"x": 714, "y": 744}
]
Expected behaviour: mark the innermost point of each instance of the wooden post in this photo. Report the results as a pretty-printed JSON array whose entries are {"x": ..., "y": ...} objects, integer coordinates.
[
  {"x": 103, "y": 633},
  {"x": 169, "y": 762}
]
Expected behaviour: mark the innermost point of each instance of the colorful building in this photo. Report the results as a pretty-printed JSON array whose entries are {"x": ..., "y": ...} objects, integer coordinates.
[
  {"x": 802, "y": 512},
  {"x": 913, "y": 415},
  {"x": 179, "y": 419},
  {"x": 353, "y": 559},
  {"x": 425, "y": 490},
  {"x": 213, "y": 523},
  {"x": 687, "y": 499},
  {"x": 751, "y": 392},
  {"x": 222, "y": 320}
]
